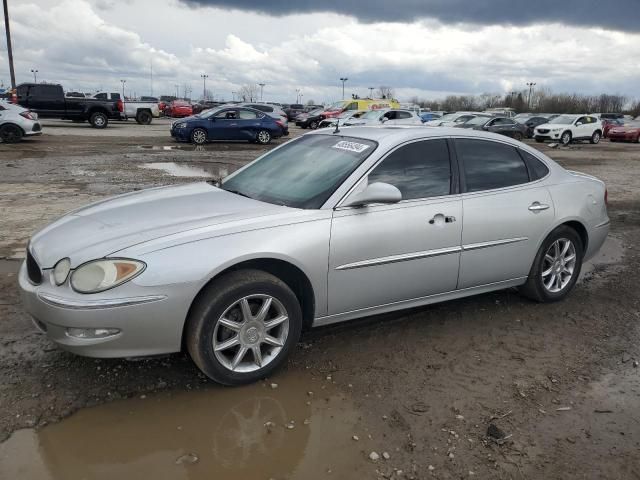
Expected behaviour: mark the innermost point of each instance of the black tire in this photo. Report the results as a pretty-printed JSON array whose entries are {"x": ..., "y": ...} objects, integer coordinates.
[
  {"x": 263, "y": 137},
  {"x": 535, "y": 288},
  {"x": 540, "y": 140},
  {"x": 99, "y": 120},
  {"x": 214, "y": 300},
  {"x": 595, "y": 138},
  {"x": 518, "y": 136},
  {"x": 313, "y": 125},
  {"x": 199, "y": 136},
  {"x": 565, "y": 138},
  {"x": 144, "y": 118},
  {"x": 11, "y": 133}
]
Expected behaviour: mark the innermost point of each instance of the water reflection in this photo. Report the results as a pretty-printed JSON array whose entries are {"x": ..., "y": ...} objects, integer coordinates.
[{"x": 253, "y": 432}]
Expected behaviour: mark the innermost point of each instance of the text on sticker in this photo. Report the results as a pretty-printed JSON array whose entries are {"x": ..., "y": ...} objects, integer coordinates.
[{"x": 351, "y": 146}]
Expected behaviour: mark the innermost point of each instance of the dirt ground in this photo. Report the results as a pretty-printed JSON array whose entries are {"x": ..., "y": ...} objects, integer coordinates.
[{"x": 560, "y": 381}]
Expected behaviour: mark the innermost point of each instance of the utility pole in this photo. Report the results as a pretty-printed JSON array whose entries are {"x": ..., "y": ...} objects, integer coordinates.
[
  {"x": 261, "y": 87},
  {"x": 35, "y": 73},
  {"x": 123, "y": 82},
  {"x": 9, "y": 49},
  {"x": 343, "y": 79},
  {"x": 530, "y": 85},
  {"x": 370, "y": 92},
  {"x": 204, "y": 85}
]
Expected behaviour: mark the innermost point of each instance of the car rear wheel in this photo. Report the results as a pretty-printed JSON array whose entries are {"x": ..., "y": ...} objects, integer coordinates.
[
  {"x": 98, "y": 120},
  {"x": 565, "y": 139},
  {"x": 313, "y": 125},
  {"x": 556, "y": 267},
  {"x": 10, "y": 133},
  {"x": 517, "y": 136},
  {"x": 243, "y": 326},
  {"x": 595, "y": 138},
  {"x": 144, "y": 118},
  {"x": 199, "y": 136},
  {"x": 263, "y": 137}
]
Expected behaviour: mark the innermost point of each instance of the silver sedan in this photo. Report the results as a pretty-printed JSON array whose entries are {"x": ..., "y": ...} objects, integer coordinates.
[{"x": 328, "y": 227}]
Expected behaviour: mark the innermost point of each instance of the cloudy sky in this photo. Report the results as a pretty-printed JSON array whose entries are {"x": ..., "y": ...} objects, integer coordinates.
[{"x": 428, "y": 48}]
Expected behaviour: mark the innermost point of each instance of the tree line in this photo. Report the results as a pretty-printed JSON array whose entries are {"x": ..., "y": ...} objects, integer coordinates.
[{"x": 540, "y": 101}]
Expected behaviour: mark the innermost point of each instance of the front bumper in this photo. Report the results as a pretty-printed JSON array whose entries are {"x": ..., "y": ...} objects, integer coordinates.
[
  {"x": 181, "y": 134},
  {"x": 36, "y": 129},
  {"x": 622, "y": 137},
  {"x": 149, "y": 320},
  {"x": 547, "y": 136}
]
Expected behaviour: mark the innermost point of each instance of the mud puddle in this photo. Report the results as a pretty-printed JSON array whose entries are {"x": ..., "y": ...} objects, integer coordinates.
[
  {"x": 187, "y": 148},
  {"x": 9, "y": 266},
  {"x": 609, "y": 255},
  {"x": 182, "y": 170},
  {"x": 252, "y": 432}
]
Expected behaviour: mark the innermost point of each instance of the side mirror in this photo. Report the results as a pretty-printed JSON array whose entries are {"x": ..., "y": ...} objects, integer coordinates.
[
  {"x": 377, "y": 192},
  {"x": 578, "y": 124},
  {"x": 384, "y": 119},
  {"x": 212, "y": 118}
]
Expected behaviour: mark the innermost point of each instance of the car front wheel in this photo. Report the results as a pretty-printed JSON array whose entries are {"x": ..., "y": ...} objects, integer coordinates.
[
  {"x": 243, "y": 326},
  {"x": 595, "y": 138},
  {"x": 565, "y": 139},
  {"x": 263, "y": 137},
  {"x": 199, "y": 136},
  {"x": 556, "y": 267},
  {"x": 10, "y": 133}
]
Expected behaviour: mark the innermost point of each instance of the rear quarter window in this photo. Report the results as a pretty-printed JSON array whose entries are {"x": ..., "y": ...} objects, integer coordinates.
[{"x": 537, "y": 169}]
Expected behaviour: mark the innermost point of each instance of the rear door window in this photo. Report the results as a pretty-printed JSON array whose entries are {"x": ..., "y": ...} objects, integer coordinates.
[{"x": 489, "y": 165}]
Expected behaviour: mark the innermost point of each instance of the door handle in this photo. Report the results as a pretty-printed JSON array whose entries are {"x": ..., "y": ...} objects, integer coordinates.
[
  {"x": 538, "y": 207},
  {"x": 440, "y": 218}
]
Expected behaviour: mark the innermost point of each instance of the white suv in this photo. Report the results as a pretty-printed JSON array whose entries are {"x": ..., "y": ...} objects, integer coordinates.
[{"x": 567, "y": 128}]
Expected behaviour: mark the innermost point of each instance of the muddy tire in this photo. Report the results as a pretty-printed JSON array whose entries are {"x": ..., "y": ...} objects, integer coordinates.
[
  {"x": 199, "y": 136},
  {"x": 518, "y": 136},
  {"x": 144, "y": 118},
  {"x": 99, "y": 120},
  {"x": 556, "y": 267},
  {"x": 10, "y": 133},
  {"x": 243, "y": 326},
  {"x": 565, "y": 138},
  {"x": 595, "y": 138},
  {"x": 313, "y": 125},
  {"x": 263, "y": 137}
]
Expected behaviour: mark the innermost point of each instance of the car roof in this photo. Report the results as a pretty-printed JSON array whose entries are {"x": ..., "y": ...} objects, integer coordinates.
[{"x": 402, "y": 133}]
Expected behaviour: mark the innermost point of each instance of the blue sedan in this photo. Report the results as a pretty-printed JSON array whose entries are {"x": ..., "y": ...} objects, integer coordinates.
[{"x": 227, "y": 123}]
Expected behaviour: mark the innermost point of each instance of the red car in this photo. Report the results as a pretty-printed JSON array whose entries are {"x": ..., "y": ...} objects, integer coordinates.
[
  {"x": 609, "y": 123},
  {"x": 179, "y": 109},
  {"x": 629, "y": 132}
]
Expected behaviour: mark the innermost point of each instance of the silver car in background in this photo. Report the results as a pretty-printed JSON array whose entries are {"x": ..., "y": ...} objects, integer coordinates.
[
  {"x": 387, "y": 116},
  {"x": 328, "y": 227},
  {"x": 17, "y": 122}
]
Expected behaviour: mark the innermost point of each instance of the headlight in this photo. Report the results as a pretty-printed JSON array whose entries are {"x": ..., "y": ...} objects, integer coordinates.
[
  {"x": 557, "y": 129},
  {"x": 180, "y": 125},
  {"x": 61, "y": 271},
  {"x": 101, "y": 275}
]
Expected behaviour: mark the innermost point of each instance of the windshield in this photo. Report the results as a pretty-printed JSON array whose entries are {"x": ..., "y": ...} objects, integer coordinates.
[
  {"x": 335, "y": 107},
  {"x": 564, "y": 119},
  {"x": 209, "y": 113},
  {"x": 477, "y": 121},
  {"x": 303, "y": 173},
  {"x": 372, "y": 115}
]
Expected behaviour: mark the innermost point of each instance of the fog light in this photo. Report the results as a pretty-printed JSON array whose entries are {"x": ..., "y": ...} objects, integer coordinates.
[{"x": 92, "y": 333}]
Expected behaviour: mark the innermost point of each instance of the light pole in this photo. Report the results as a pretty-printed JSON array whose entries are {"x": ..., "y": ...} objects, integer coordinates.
[
  {"x": 261, "y": 87},
  {"x": 530, "y": 85},
  {"x": 343, "y": 79},
  {"x": 370, "y": 92},
  {"x": 9, "y": 49},
  {"x": 35, "y": 73},
  {"x": 233, "y": 95},
  {"x": 204, "y": 85},
  {"x": 297, "y": 95},
  {"x": 123, "y": 82},
  {"x": 177, "y": 90},
  {"x": 301, "y": 95}
]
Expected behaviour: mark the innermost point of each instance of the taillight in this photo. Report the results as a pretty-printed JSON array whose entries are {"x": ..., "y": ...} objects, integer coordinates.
[
  {"x": 27, "y": 115},
  {"x": 120, "y": 105},
  {"x": 279, "y": 122}
]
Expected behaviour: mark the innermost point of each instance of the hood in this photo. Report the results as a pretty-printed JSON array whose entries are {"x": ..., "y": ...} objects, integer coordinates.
[
  {"x": 120, "y": 222},
  {"x": 551, "y": 126}
]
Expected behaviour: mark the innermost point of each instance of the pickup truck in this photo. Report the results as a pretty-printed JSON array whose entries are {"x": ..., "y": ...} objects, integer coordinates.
[
  {"x": 49, "y": 101},
  {"x": 142, "y": 111}
]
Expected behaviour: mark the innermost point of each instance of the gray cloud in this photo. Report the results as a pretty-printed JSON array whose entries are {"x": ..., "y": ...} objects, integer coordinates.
[{"x": 615, "y": 15}]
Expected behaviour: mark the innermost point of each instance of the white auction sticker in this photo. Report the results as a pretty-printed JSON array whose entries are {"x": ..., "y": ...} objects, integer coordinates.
[{"x": 351, "y": 146}]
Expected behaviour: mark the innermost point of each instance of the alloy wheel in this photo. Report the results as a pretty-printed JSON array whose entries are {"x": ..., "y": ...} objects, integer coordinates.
[
  {"x": 250, "y": 333},
  {"x": 199, "y": 137},
  {"x": 566, "y": 138},
  {"x": 264, "y": 137},
  {"x": 558, "y": 265}
]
